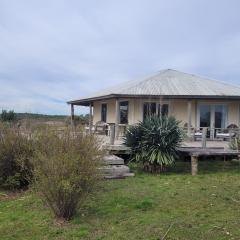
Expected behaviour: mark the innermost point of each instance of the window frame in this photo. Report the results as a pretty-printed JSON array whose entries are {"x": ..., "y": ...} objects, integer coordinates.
[
  {"x": 127, "y": 112},
  {"x": 105, "y": 113},
  {"x": 158, "y": 108},
  {"x": 147, "y": 115}
]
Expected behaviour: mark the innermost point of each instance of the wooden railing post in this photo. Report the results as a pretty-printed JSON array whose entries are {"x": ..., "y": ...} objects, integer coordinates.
[
  {"x": 112, "y": 134},
  {"x": 90, "y": 118},
  {"x": 117, "y": 119},
  {"x": 72, "y": 115},
  {"x": 189, "y": 118}
]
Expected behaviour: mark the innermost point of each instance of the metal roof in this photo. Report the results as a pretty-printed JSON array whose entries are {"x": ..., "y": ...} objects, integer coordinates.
[{"x": 168, "y": 83}]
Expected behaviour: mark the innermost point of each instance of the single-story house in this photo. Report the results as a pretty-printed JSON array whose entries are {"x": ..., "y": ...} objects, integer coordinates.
[{"x": 196, "y": 101}]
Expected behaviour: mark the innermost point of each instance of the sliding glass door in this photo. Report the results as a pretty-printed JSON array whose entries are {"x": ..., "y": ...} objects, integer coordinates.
[
  {"x": 220, "y": 116},
  {"x": 205, "y": 116},
  {"x": 212, "y": 116}
]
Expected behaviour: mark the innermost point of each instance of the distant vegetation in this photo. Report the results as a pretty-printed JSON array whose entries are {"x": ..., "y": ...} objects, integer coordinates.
[
  {"x": 37, "y": 116},
  {"x": 11, "y": 116},
  {"x": 8, "y": 116}
]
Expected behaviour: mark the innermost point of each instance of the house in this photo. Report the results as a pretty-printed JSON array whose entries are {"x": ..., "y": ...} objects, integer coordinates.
[{"x": 196, "y": 101}]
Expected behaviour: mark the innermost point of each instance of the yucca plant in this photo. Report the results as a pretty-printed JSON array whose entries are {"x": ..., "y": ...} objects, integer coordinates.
[{"x": 154, "y": 142}]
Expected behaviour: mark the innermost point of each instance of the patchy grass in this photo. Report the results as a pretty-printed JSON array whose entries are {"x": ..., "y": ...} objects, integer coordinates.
[{"x": 144, "y": 207}]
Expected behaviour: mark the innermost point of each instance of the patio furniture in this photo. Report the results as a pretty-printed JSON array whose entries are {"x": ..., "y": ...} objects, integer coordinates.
[
  {"x": 101, "y": 128},
  {"x": 228, "y": 133}
]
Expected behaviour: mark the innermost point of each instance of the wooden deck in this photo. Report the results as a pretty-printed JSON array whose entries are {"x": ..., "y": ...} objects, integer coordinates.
[
  {"x": 186, "y": 145},
  {"x": 193, "y": 149},
  {"x": 105, "y": 140}
]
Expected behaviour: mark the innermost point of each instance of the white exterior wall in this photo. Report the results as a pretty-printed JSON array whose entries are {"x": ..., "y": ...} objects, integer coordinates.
[{"x": 177, "y": 108}]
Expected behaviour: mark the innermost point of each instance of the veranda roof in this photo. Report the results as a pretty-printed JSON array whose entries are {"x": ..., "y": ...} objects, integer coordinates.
[{"x": 169, "y": 84}]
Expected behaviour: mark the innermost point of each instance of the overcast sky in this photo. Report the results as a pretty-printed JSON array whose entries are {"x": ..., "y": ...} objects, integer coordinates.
[{"x": 52, "y": 51}]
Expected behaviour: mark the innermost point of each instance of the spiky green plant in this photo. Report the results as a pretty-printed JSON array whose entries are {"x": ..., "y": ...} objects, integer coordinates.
[{"x": 154, "y": 142}]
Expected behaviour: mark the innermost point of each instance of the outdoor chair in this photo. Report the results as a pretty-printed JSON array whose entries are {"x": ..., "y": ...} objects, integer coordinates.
[
  {"x": 101, "y": 128},
  {"x": 228, "y": 133}
]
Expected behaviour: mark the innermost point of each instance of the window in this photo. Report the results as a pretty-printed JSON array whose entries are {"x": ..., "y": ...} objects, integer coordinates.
[
  {"x": 164, "y": 110},
  {"x": 104, "y": 112},
  {"x": 123, "y": 108},
  {"x": 149, "y": 109}
]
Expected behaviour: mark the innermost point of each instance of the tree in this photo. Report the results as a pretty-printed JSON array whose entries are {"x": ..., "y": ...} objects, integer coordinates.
[{"x": 8, "y": 116}]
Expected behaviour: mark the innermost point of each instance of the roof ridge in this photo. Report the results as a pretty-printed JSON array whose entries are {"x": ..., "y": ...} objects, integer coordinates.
[
  {"x": 163, "y": 83},
  {"x": 208, "y": 78}
]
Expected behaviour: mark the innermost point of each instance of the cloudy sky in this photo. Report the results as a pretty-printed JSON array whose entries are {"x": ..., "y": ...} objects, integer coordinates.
[{"x": 52, "y": 51}]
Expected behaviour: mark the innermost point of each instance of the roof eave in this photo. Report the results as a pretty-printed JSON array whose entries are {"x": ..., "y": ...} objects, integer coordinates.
[{"x": 88, "y": 101}]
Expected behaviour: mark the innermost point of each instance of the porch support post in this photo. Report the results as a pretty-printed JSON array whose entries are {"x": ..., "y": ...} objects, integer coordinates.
[
  {"x": 72, "y": 114},
  {"x": 238, "y": 132},
  {"x": 204, "y": 137},
  {"x": 194, "y": 165},
  {"x": 90, "y": 117},
  {"x": 239, "y": 115},
  {"x": 189, "y": 118},
  {"x": 117, "y": 118}
]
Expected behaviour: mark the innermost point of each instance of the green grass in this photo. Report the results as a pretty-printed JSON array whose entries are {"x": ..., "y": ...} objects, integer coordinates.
[{"x": 144, "y": 207}]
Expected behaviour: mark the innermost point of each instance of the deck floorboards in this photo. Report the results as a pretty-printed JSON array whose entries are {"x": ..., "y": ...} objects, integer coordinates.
[{"x": 192, "y": 148}]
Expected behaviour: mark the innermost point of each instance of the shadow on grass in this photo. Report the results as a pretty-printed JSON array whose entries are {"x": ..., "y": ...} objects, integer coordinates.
[
  {"x": 204, "y": 167},
  {"x": 207, "y": 166}
]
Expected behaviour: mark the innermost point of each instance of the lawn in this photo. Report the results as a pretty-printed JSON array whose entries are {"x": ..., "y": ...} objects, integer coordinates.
[{"x": 175, "y": 204}]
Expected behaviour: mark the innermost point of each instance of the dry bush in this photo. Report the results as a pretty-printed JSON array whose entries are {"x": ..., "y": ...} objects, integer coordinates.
[
  {"x": 66, "y": 169},
  {"x": 16, "y": 152}
]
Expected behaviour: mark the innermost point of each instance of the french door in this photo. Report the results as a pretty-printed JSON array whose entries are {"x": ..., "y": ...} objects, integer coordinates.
[{"x": 212, "y": 116}]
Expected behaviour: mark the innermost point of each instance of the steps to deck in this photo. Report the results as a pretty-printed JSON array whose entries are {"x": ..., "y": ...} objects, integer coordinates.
[{"x": 115, "y": 168}]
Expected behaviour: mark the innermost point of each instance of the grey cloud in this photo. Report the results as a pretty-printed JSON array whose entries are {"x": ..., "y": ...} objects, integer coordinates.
[{"x": 53, "y": 51}]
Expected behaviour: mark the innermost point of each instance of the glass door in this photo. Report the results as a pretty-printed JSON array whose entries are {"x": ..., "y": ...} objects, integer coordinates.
[
  {"x": 212, "y": 116},
  {"x": 220, "y": 116},
  {"x": 205, "y": 117}
]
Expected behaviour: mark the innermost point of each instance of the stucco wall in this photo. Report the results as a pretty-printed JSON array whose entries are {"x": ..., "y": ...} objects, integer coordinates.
[
  {"x": 177, "y": 108},
  {"x": 110, "y": 111},
  {"x": 233, "y": 113}
]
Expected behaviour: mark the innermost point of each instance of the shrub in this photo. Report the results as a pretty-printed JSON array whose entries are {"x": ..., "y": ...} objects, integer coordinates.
[
  {"x": 66, "y": 169},
  {"x": 16, "y": 151},
  {"x": 154, "y": 142},
  {"x": 8, "y": 116},
  {"x": 235, "y": 143},
  {"x": 79, "y": 120}
]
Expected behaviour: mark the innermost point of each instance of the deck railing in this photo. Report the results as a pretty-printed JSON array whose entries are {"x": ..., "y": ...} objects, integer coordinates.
[
  {"x": 196, "y": 134},
  {"x": 213, "y": 133}
]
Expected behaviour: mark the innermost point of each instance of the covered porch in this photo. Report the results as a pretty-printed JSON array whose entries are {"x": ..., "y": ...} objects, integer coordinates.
[{"x": 213, "y": 120}]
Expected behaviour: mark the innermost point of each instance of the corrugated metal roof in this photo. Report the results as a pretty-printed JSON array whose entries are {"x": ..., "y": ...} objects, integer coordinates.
[{"x": 171, "y": 83}]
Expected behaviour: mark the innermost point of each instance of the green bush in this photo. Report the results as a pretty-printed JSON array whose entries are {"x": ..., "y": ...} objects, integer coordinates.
[
  {"x": 154, "y": 142},
  {"x": 8, "y": 116},
  {"x": 16, "y": 152},
  {"x": 66, "y": 169}
]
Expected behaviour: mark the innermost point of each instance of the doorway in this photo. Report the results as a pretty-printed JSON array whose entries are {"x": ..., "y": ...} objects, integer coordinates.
[{"x": 212, "y": 116}]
